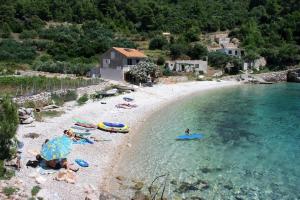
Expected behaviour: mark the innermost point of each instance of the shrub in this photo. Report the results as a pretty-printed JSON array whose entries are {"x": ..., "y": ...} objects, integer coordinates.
[
  {"x": 140, "y": 73},
  {"x": 5, "y": 31},
  {"x": 167, "y": 72},
  {"x": 160, "y": 61},
  {"x": 218, "y": 59},
  {"x": 177, "y": 50},
  {"x": 28, "y": 34},
  {"x": 197, "y": 52},
  {"x": 83, "y": 99},
  {"x": 191, "y": 35},
  {"x": 60, "y": 99},
  {"x": 8, "y": 125},
  {"x": 8, "y": 191},
  {"x": 11, "y": 50},
  {"x": 35, "y": 190},
  {"x": 62, "y": 67},
  {"x": 158, "y": 42}
]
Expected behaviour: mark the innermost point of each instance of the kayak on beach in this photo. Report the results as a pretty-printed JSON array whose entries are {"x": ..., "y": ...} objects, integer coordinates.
[
  {"x": 195, "y": 136},
  {"x": 113, "y": 127}
]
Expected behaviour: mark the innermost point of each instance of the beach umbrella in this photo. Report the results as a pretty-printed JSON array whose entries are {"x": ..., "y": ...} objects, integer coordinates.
[{"x": 56, "y": 148}]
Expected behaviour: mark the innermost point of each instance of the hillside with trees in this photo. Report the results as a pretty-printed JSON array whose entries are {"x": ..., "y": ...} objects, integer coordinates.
[{"x": 44, "y": 34}]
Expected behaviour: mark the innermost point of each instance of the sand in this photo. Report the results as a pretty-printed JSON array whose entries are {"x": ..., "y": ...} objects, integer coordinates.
[{"x": 102, "y": 155}]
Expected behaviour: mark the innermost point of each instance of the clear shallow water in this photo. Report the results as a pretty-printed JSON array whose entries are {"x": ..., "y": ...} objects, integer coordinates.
[{"x": 251, "y": 148}]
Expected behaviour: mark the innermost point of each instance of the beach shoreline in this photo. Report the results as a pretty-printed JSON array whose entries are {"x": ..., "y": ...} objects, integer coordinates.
[{"x": 103, "y": 156}]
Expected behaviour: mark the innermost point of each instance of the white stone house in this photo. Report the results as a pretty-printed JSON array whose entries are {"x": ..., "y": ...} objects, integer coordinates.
[
  {"x": 232, "y": 50},
  {"x": 115, "y": 62},
  {"x": 198, "y": 66}
]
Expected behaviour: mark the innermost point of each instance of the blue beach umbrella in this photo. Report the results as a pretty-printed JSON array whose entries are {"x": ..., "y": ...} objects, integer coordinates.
[{"x": 56, "y": 148}]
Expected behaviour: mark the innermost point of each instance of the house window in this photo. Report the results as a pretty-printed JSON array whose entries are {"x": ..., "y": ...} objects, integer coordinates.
[
  {"x": 236, "y": 52},
  {"x": 137, "y": 61},
  {"x": 229, "y": 52},
  {"x": 112, "y": 55},
  {"x": 106, "y": 62},
  {"x": 242, "y": 53},
  {"x": 129, "y": 61},
  {"x": 197, "y": 65}
]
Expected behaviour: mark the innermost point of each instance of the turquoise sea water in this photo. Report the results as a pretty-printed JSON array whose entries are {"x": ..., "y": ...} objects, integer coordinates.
[{"x": 251, "y": 148}]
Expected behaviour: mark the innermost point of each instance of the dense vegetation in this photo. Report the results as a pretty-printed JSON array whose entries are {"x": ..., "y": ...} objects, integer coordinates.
[
  {"x": 8, "y": 127},
  {"x": 269, "y": 28}
]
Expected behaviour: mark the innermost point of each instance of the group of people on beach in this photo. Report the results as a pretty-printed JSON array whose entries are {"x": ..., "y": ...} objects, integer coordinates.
[{"x": 57, "y": 163}]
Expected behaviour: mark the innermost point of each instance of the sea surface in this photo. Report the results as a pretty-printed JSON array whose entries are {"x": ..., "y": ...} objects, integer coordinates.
[{"x": 250, "y": 149}]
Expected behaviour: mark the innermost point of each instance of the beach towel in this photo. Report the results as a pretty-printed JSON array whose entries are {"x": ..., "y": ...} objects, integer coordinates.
[
  {"x": 83, "y": 141},
  {"x": 82, "y": 134},
  {"x": 82, "y": 128},
  {"x": 46, "y": 171},
  {"x": 85, "y": 125}
]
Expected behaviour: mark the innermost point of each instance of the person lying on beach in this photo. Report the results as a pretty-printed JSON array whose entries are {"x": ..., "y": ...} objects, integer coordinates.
[
  {"x": 57, "y": 163},
  {"x": 72, "y": 135}
]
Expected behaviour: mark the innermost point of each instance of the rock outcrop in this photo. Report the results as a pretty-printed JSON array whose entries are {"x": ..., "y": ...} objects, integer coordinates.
[
  {"x": 26, "y": 115},
  {"x": 293, "y": 76}
]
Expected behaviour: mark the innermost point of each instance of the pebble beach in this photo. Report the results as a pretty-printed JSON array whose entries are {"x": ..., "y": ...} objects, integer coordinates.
[{"x": 92, "y": 181}]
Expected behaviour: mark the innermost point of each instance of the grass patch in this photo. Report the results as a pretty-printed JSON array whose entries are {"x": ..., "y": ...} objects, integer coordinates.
[
  {"x": 39, "y": 116},
  {"x": 60, "y": 99},
  {"x": 8, "y": 191},
  {"x": 4, "y": 173},
  {"x": 35, "y": 190},
  {"x": 155, "y": 54},
  {"x": 83, "y": 99},
  {"x": 25, "y": 85}
]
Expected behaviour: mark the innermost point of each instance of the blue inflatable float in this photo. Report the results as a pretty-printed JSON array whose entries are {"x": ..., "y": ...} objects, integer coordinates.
[
  {"x": 81, "y": 163},
  {"x": 195, "y": 136}
]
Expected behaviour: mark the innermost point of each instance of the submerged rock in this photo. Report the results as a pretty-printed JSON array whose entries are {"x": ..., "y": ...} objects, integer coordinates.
[
  {"x": 120, "y": 178},
  {"x": 138, "y": 185},
  {"x": 140, "y": 196},
  {"x": 186, "y": 187}
]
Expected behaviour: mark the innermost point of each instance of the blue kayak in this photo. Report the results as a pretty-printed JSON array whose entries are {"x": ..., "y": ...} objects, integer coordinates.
[{"x": 195, "y": 136}]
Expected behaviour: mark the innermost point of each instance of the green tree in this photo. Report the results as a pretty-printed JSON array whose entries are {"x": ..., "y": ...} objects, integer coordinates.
[
  {"x": 177, "y": 50},
  {"x": 158, "y": 42},
  {"x": 197, "y": 51},
  {"x": 8, "y": 125},
  {"x": 5, "y": 31}
]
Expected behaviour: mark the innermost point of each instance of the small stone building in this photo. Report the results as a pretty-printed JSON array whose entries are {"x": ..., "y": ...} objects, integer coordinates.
[{"x": 198, "y": 66}]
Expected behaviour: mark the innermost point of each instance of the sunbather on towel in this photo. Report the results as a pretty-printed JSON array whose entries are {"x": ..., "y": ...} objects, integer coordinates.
[
  {"x": 72, "y": 135},
  {"x": 57, "y": 163}
]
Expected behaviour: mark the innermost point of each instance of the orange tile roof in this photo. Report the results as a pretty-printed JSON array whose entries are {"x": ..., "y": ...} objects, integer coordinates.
[{"x": 130, "y": 53}]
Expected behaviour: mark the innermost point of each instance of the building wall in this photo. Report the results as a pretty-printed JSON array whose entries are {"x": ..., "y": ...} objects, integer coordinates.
[
  {"x": 188, "y": 66},
  {"x": 113, "y": 65},
  {"x": 116, "y": 74},
  {"x": 232, "y": 51}
]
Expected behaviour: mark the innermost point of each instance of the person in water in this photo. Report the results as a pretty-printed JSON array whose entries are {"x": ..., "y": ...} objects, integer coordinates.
[{"x": 187, "y": 131}]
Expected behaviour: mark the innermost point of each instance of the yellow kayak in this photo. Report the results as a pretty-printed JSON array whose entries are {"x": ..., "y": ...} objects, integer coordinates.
[{"x": 113, "y": 127}]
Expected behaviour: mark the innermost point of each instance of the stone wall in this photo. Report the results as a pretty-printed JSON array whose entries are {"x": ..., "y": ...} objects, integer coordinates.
[
  {"x": 44, "y": 97},
  {"x": 273, "y": 76}
]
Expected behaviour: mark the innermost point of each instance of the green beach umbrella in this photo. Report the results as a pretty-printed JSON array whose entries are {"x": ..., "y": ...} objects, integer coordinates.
[{"x": 56, "y": 148}]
